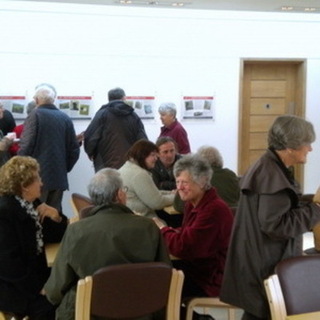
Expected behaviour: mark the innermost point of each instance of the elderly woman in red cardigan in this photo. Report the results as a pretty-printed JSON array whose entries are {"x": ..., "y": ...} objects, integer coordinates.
[{"x": 202, "y": 241}]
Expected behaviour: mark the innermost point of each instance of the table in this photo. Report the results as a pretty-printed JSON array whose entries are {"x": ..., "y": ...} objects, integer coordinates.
[
  {"x": 305, "y": 316},
  {"x": 51, "y": 250},
  {"x": 171, "y": 210}
]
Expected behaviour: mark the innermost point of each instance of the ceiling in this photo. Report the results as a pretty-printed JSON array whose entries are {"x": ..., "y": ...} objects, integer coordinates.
[{"x": 296, "y": 6}]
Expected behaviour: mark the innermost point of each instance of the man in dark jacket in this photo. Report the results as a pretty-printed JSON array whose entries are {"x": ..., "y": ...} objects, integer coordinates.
[
  {"x": 49, "y": 137},
  {"x": 162, "y": 173},
  {"x": 113, "y": 130}
]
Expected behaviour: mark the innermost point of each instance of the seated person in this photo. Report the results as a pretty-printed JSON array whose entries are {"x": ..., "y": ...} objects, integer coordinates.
[
  {"x": 202, "y": 241},
  {"x": 163, "y": 177},
  {"x": 23, "y": 228},
  {"x": 143, "y": 196},
  {"x": 111, "y": 235},
  {"x": 162, "y": 172},
  {"x": 224, "y": 180}
]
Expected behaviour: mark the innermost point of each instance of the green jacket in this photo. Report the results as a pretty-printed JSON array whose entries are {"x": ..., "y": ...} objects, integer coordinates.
[{"x": 111, "y": 235}]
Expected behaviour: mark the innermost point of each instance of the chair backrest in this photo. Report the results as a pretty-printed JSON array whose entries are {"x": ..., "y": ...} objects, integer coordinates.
[
  {"x": 130, "y": 291},
  {"x": 80, "y": 201},
  {"x": 300, "y": 282},
  {"x": 275, "y": 298}
]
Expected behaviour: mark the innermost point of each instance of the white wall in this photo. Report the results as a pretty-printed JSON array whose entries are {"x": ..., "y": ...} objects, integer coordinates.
[{"x": 83, "y": 49}]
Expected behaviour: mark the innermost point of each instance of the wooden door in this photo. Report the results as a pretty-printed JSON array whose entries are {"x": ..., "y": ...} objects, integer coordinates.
[{"x": 268, "y": 89}]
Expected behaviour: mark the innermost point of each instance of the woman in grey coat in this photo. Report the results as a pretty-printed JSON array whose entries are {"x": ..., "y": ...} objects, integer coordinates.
[{"x": 270, "y": 220}]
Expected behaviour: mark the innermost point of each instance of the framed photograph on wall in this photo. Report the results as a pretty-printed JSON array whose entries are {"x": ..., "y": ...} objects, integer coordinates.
[
  {"x": 144, "y": 106},
  {"x": 77, "y": 107},
  {"x": 198, "y": 107},
  {"x": 17, "y": 105}
]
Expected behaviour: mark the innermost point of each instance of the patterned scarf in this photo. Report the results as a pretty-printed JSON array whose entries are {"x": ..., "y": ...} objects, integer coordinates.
[{"x": 34, "y": 215}]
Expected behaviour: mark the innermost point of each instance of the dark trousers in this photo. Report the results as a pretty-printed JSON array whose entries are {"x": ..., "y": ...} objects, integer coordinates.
[
  {"x": 52, "y": 198},
  {"x": 190, "y": 288}
]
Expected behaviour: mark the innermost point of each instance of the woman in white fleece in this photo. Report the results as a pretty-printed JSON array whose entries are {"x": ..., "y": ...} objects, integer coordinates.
[{"x": 143, "y": 196}]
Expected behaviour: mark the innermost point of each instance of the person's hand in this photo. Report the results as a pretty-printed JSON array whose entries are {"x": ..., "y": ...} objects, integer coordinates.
[
  {"x": 11, "y": 136},
  {"x": 159, "y": 223},
  {"x": 46, "y": 211},
  {"x": 316, "y": 197}
]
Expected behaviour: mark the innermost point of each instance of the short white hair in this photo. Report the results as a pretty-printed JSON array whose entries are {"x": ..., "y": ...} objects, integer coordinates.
[
  {"x": 168, "y": 107},
  {"x": 45, "y": 94}
]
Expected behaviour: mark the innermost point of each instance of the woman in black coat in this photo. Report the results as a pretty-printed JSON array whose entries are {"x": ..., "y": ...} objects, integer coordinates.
[{"x": 24, "y": 226}]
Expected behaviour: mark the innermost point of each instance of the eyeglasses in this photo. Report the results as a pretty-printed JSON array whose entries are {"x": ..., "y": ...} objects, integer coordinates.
[{"x": 125, "y": 189}]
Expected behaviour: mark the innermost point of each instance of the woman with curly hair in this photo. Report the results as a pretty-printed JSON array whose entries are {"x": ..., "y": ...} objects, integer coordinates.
[{"x": 23, "y": 227}]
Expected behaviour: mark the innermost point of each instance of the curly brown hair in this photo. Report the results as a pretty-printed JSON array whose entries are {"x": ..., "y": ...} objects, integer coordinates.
[{"x": 17, "y": 173}]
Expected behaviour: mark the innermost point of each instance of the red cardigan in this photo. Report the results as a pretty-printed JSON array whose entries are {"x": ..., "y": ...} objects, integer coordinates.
[
  {"x": 203, "y": 240},
  {"x": 15, "y": 146},
  {"x": 177, "y": 132}
]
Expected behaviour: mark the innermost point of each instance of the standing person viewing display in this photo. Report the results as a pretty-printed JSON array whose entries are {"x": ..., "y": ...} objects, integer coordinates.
[
  {"x": 270, "y": 220},
  {"x": 49, "y": 136},
  {"x": 25, "y": 226},
  {"x": 173, "y": 128},
  {"x": 111, "y": 133}
]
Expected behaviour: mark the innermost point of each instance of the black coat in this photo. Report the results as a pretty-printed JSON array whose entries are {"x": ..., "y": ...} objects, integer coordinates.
[
  {"x": 163, "y": 177},
  {"x": 113, "y": 130},
  {"x": 23, "y": 272}
]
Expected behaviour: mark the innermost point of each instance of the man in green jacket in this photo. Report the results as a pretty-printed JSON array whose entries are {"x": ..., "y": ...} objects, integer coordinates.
[{"x": 111, "y": 234}]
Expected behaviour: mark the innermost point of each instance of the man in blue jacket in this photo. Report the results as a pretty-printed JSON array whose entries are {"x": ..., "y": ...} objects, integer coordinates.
[{"x": 49, "y": 137}]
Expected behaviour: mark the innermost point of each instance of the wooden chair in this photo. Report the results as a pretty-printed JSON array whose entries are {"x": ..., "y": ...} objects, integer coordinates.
[
  {"x": 130, "y": 291},
  {"x": 275, "y": 298},
  {"x": 294, "y": 289},
  {"x": 208, "y": 302},
  {"x": 79, "y": 201}
]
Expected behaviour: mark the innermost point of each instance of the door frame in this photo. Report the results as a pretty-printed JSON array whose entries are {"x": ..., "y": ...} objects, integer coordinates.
[{"x": 300, "y": 99}]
